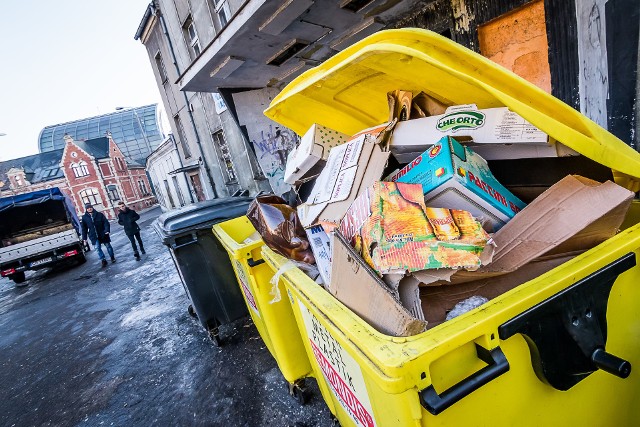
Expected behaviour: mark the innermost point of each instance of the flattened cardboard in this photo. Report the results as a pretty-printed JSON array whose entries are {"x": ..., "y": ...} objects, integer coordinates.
[
  {"x": 358, "y": 287},
  {"x": 576, "y": 213}
]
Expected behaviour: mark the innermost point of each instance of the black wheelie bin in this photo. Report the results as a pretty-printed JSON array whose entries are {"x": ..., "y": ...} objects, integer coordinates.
[{"x": 202, "y": 262}]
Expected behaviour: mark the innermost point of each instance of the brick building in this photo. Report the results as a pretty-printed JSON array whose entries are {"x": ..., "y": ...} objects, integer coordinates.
[
  {"x": 31, "y": 173},
  {"x": 94, "y": 170}
]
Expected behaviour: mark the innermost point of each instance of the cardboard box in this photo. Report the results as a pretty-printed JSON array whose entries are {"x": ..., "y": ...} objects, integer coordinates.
[
  {"x": 489, "y": 126},
  {"x": 358, "y": 287},
  {"x": 321, "y": 247},
  {"x": 392, "y": 229},
  {"x": 576, "y": 214},
  {"x": 573, "y": 215},
  {"x": 455, "y": 177},
  {"x": 308, "y": 159},
  {"x": 350, "y": 168}
]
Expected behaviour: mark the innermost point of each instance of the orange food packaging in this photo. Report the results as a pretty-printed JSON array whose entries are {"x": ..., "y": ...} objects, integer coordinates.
[{"x": 394, "y": 232}]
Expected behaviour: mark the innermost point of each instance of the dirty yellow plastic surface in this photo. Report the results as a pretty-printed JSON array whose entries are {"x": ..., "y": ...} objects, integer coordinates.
[
  {"x": 369, "y": 379},
  {"x": 275, "y": 321},
  {"x": 348, "y": 93}
]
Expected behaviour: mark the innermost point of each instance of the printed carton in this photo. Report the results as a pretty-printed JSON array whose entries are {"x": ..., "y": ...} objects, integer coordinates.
[
  {"x": 455, "y": 177},
  {"x": 490, "y": 128},
  {"x": 321, "y": 247},
  {"x": 394, "y": 232},
  {"x": 308, "y": 159}
]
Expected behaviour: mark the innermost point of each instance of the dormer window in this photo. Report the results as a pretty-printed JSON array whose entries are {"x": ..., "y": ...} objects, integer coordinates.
[{"x": 80, "y": 169}]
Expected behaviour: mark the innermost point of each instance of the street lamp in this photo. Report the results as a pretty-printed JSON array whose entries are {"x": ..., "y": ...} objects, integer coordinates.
[{"x": 144, "y": 133}]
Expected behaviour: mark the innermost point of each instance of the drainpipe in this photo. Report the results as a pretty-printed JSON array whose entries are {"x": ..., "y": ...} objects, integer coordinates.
[{"x": 158, "y": 13}]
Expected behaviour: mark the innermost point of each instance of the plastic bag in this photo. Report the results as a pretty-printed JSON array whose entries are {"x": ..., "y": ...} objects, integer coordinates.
[
  {"x": 280, "y": 228},
  {"x": 466, "y": 305}
]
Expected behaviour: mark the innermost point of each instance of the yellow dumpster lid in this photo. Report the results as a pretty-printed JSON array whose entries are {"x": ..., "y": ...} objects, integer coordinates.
[{"x": 348, "y": 93}]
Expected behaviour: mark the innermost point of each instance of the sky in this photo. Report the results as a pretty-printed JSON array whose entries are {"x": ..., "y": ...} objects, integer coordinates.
[{"x": 66, "y": 60}]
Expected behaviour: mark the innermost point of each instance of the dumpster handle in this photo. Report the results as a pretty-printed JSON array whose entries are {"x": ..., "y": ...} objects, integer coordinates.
[
  {"x": 190, "y": 242},
  {"x": 497, "y": 365},
  {"x": 253, "y": 263}
]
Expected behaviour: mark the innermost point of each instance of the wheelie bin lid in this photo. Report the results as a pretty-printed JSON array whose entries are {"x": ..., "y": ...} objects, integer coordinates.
[
  {"x": 347, "y": 93},
  {"x": 199, "y": 216}
]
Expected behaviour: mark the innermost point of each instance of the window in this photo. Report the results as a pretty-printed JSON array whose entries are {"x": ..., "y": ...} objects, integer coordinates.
[
  {"x": 183, "y": 137},
  {"x": 51, "y": 172},
  {"x": 223, "y": 151},
  {"x": 162, "y": 71},
  {"x": 178, "y": 190},
  {"x": 223, "y": 11},
  {"x": 112, "y": 190},
  {"x": 80, "y": 169},
  {"x": 143, "y": 188},
  {"x": 192, "y": 36},
  {"x": 90, "y": 195}
]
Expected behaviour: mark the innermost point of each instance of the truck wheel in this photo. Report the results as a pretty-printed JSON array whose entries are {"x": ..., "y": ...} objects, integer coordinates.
[{"x": 18, "y": 277}]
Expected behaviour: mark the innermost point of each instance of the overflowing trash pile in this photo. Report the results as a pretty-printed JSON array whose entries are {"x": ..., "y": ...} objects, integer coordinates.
[{"x": 434, "y": 213}]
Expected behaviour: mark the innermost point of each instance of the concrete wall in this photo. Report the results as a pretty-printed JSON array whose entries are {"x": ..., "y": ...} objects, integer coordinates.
[{"x": 271, "y": 141}]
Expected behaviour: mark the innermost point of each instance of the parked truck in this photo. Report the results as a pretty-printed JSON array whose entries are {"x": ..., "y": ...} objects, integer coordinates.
[{"x": 38, "y": 230}]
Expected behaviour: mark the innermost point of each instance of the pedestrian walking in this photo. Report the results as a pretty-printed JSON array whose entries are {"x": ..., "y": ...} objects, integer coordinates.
[
  {"x": 95, "y": 226},
  {"x": 127, "y": 218}
]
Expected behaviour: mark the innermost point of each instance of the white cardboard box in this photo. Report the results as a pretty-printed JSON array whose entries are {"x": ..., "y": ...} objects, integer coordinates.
[
  {"x": 309, "y": 157},
  {"x": 486, "y": 127},
  {"x": 350, "y": 168}
]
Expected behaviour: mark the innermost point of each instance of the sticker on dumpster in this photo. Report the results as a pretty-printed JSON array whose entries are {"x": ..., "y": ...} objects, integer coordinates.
[
  {"x": 245, "y": 288},
  {"x": 340, "y": 370}
]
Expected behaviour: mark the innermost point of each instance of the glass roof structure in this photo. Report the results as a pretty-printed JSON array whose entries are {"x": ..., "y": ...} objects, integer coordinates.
[{"x": 137, "y": 131}]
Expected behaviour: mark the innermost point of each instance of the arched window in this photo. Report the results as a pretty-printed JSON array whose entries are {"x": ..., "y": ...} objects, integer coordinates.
[
  {"x": 80, "y": 169},
  {"x": 90, "y": 195}
]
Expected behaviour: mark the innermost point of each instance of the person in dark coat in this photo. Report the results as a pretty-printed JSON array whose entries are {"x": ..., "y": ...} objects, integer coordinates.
[
  {"x": 127, "y": 218},
  {"x": 95, "y": 226}
]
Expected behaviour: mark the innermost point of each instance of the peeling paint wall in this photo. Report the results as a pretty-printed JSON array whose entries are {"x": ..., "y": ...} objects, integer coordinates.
[{"x": 518, "y": 42}]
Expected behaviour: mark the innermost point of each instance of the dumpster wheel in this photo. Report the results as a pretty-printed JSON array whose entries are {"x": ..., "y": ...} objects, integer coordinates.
[
  {"x": 299, "y": 391},
  {"x": 214, "y": 334},
  {"x": 192, "y": 311}
]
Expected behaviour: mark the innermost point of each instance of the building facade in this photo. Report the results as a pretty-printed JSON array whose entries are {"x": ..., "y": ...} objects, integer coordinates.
[
  {"x": 208, "y": 140},
  {"x": 175, "y": 185},
  {"x": 93, "y": 171}
]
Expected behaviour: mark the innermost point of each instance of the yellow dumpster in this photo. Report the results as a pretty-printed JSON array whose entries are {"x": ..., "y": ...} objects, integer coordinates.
[
  {"x": 503, "y": 363},
  {"x": 273, "y": 319}
]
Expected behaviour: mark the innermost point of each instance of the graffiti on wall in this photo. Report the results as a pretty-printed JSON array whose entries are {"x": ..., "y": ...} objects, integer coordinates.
[{"x": 272, "y": 148}]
